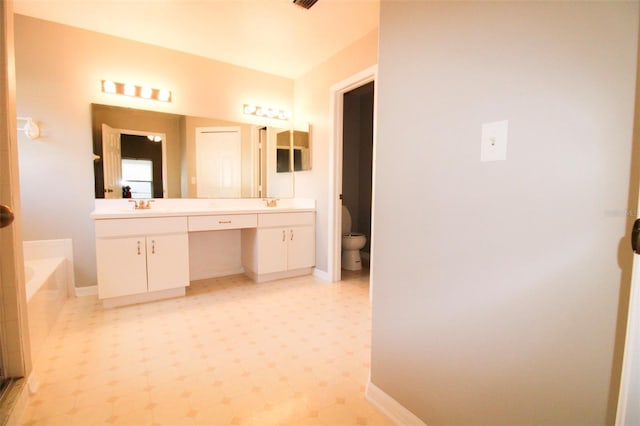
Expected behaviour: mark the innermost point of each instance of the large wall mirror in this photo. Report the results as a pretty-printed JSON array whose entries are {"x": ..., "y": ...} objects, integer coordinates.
[{"x": 146, "y": 154}]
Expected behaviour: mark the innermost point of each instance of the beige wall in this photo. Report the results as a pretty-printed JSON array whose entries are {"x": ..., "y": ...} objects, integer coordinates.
[
  {"x": 59, "y": 70},
  {"x": 312, "y": 105},
  {"x": 497, "y": 284}
]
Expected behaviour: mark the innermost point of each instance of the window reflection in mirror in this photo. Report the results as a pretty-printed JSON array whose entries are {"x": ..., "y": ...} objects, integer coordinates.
[
  {"x": 137, "y": 179},
  {"x": 177, "y": 171}
]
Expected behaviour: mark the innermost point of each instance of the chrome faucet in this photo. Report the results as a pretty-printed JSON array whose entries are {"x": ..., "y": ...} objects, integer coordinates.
[{"x": 141, "y": 204}]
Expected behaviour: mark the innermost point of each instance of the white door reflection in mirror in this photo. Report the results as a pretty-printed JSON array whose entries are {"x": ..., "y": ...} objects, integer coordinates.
[
  {"x": 111, "y": 162},
  {"x": 218, "y": 154}
]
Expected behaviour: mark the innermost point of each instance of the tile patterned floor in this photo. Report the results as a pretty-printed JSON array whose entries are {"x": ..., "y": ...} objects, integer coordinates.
[{"x": 290, "y": 352}]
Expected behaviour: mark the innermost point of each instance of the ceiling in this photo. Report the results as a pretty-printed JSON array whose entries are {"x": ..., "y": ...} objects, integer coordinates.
[{"x": 274, "y": 36}]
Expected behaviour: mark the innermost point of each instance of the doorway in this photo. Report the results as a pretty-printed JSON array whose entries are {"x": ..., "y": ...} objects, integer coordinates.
[
  {"x": 123, "y": 169},
  {"x": 357, "y": 168},
  {"x": 338, "y": 92}
]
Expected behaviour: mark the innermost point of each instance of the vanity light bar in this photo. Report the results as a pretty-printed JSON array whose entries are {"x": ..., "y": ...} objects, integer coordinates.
[
  {"x": 266, "y": 112},
  {"x": 130, "y": 89}
]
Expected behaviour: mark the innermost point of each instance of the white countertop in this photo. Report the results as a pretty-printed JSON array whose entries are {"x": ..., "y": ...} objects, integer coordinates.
[{"x": 122, "y": 209}]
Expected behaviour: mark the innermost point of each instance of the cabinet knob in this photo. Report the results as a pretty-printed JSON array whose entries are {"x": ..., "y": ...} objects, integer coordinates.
[
  {"x": 292, "y": 235},
  {"x": 138, "y": 248},
  {"x": 284, "y": 237},
  {"x": 153, "y": 246}
]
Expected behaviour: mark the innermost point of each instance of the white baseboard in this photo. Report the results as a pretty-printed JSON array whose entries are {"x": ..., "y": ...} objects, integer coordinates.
[
  {"x": 391, "y": 408},
  {"x": 33, "y": 384},
  {"x": 91, "y": 290},
  {"x": 324, "y": 276}
]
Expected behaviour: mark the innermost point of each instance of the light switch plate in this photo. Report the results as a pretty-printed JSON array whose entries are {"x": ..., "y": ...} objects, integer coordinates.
[{"x": 493, "y": 146}]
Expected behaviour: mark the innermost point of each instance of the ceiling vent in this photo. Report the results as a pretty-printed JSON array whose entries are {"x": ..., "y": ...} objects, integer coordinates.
[{"x": 305, "y": 3}]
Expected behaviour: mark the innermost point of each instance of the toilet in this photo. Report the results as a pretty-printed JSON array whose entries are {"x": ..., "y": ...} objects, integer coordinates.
[{"x": 352, "y": 243}]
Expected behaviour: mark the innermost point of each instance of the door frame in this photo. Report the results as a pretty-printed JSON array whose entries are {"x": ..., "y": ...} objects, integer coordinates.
[
  {"x": 631, "y": 347},
  {"x": 14, "y": 330},
  {"x": 337, "y": 92}
]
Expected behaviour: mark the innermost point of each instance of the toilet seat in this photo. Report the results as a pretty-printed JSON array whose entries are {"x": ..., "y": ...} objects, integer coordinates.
[{"x": 353, "y": 234}]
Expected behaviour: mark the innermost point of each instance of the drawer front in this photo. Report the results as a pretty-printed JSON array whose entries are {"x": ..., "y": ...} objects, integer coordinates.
[
  {"x": 151, "y": 225},
  {"x": 220, "y": 222},
  {"x": 268, "y": 220}
]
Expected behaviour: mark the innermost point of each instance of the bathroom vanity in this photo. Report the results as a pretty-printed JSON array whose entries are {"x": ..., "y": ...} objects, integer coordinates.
[{"x": 143, "y": 254}]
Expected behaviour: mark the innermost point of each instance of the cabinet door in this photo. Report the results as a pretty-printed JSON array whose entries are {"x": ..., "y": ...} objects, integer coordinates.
[
  {"x": 302, "y": 246},
  {"x": 167, "y": 261},
  {"x": 272, "y": 250},
  {"x": 122, "y": 267}
]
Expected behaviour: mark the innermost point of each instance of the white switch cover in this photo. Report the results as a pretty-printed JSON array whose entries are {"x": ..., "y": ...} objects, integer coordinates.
[{"x": 493, "y": 146}]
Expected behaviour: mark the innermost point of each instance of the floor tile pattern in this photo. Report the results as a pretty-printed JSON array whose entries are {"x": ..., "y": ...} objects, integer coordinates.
[{"x": 232, "y": 352}]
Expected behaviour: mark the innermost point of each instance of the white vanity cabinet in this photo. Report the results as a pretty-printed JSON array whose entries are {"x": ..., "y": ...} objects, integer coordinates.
[
  {"x": 282, "y": 245},
  {"x": 151, "y": 254},
  {"x": 147, "y": 258}
]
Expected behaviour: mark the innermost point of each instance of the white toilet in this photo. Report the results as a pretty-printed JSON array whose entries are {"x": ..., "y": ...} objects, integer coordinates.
[{"x": 352, "y": 243}]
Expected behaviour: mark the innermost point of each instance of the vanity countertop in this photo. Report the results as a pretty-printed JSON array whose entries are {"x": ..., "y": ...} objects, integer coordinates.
[{"x": 121, "y": 209}]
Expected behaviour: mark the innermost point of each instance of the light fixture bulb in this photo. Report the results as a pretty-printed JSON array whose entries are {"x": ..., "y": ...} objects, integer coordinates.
[
  {"x": 146, "y": 92},
  {"x": 164, "y": 95},
  {"x": 129, "y": 89},
  {"x": 108, "y": 86},
  {"x": 32, "y": 130}
]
